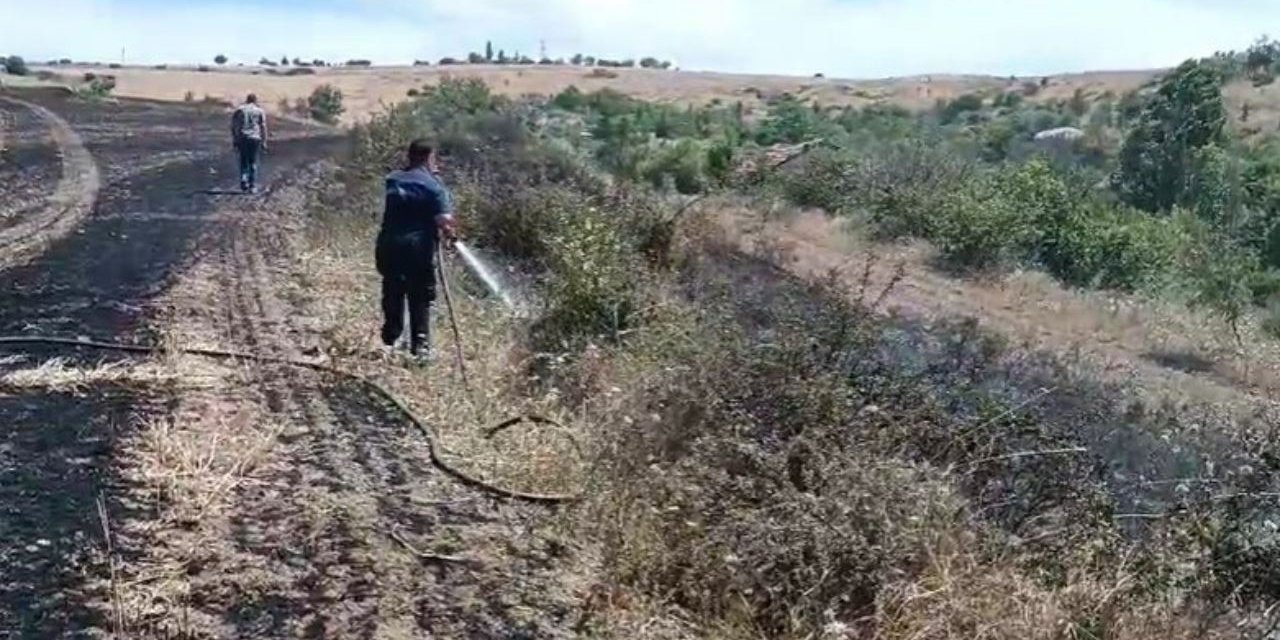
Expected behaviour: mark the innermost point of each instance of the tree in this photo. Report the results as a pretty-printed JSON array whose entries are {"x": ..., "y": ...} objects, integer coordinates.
[
  {"x": 1185, "y": 115},
  {"x": 475, "y": 58},
  {"x": 576, "y": 59},
  {"x": 649, "y": 62},
  {"x": 502, "y": 56},
  {"x": 15, "y": 66},
  {"x": 488, "y": 51},
  {"x": 284, "y": 61},
  {"x": 1262, "y": 56},
  {"x": 220, "y": 59}
]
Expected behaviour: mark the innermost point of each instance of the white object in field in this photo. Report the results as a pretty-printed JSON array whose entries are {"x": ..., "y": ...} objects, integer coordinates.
[
  {"x": 1060, "y": 135},
  {"x": 482, "y": 273}
]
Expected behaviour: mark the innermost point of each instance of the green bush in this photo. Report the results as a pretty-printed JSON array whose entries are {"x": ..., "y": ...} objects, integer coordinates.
[
  {"x": 1219, "y": 275},
  {"x": 520, "y": 222},
  {"x": 720, "y": 161},
  {"x": 325, "y": 104},
  {"x": 595, "y": 289},
  {"x": 820, "y": 181},
  {"x": 98, "y": 87},
  {"x": 950, "y": 111},
  {"x": 977, "y": 229},
  {"x": 792, "y": 121},
  {"x": 1104, "y": 246},
  {"x": 456, "y": 96},
  {"x": 571, "y": 99},
  {"x": 681, "y": 166},
  {"x": 903, "y": 186}
]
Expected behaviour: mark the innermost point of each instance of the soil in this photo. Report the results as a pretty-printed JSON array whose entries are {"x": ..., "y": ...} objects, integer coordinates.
[{"x": 228, "y": 500}]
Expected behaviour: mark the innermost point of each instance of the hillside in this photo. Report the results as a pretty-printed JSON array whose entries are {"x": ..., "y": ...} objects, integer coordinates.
[{"x": 366, "y": 89}]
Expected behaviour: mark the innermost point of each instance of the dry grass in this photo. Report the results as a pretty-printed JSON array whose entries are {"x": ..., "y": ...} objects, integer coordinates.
[
  {"x": 1263, "y": 104},
  {"x": 187, "y": 464},
  {"x": 959, "y": 597},
  {"x": 530, "y": 458},
  {"x": 55, "y": 376},
  {"x": 1174, "y": 351}
]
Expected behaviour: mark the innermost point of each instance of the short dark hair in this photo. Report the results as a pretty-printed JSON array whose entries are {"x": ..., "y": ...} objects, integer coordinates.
[
  {"x": 252, "y": 99},
  {"x": 419, "y": 151}
]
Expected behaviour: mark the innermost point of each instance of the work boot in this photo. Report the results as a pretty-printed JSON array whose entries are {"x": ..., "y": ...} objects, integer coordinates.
[
  {"x": 420, "y": 349},
  {"x": 421, "y": 356}
]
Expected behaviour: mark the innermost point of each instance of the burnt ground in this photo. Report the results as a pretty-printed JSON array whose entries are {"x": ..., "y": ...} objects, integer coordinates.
[
  {"x": 28, "y": 163},
  {"x": 256, "y": 505}
]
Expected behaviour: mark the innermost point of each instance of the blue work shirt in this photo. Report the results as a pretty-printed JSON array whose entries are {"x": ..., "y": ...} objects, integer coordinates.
[{"x": 416, "y": 200}]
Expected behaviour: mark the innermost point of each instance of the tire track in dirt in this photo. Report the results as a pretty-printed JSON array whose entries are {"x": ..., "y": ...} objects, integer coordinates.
[
  {"x": 61, "y": 449},
  {"x": 71, "y": 201}
]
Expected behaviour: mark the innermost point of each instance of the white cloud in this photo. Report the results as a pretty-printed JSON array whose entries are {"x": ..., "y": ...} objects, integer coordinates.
[{"x": 856, "y": 38}]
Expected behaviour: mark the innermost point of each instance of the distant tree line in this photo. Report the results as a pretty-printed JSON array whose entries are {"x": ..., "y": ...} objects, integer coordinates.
[
  {"x": 1260, "y": 63},
  {"x": 500, "y": 56}
]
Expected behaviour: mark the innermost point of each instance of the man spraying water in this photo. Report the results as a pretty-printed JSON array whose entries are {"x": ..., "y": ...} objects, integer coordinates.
[
  {"x": 249, "y": 137},
  {"x": 418, "y": 210}
]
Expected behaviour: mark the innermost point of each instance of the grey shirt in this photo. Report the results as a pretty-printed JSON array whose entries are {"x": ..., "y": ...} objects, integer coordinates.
[{"x": 249, "y": 122}]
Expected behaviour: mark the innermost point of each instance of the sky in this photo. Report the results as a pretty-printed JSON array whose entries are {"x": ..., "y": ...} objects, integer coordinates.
[{"x": 841, "y": 38}]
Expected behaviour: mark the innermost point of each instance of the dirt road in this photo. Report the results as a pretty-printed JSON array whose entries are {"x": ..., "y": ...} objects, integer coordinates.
[{"x": 175, "y": 497}]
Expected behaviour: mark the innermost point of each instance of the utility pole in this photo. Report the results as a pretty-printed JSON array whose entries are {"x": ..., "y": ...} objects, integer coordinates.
[{"x": 543, "y": 49}]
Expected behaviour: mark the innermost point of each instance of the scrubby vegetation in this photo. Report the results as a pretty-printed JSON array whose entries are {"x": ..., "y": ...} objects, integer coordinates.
[
  {"x": 1133, "y": 190},
  {"x": 773, "y": 458},
  {"x": 96, "y": 87},
  {"x": 325, "y": 104}
]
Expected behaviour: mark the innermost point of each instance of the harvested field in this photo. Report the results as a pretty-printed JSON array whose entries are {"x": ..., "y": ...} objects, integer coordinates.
[{"x": 367, "y": 89}]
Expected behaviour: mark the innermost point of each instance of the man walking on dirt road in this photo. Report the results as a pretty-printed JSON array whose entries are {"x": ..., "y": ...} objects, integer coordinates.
[
  {"x": 419, "y": 210},
  {"x": 249, "y": 137}
]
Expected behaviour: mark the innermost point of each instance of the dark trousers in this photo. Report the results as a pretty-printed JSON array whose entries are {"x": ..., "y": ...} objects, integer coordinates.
[
  {"x": 406, "y": 264},
  {"x": 249, "y": 150}
]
